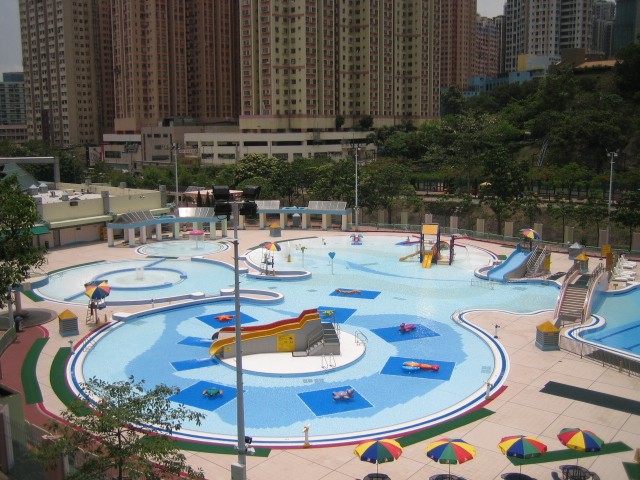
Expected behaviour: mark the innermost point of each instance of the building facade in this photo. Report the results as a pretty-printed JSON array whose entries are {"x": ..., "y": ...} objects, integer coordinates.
[
  {"x": 488, "y": 40},
  {"x": 545, "y": 28},
  {"x": 458, "y": 42},
  {"x": 62, "y": 94},
  {"x": 627, "y": 24},
  {"x": 13, "y": 119},
  {"x": 603, "y": 18}
]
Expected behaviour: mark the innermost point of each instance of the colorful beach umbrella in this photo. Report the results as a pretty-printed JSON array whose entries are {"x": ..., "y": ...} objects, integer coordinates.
[
  {"x": 521, "y": 446},
  {"x": 450, "y": 450},
  {"x": 97, "y": 290},
  {"x": 580, "y": 440},
  {"x": 530, "y": 233},
  {"x": 378, "y": 451},
  {"x": 272, "y": 247}
]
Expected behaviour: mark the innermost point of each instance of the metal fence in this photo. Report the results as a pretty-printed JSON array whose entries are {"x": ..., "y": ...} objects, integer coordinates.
[{"x": 606, "y": 358}]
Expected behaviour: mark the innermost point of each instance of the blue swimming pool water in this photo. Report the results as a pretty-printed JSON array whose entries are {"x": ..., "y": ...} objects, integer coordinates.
[
  {"x": 171, "y": 346},
  {"x": 622, "y": 327}
]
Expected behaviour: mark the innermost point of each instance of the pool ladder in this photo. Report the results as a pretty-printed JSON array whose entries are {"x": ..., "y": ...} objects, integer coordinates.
[
  {"x": 328, "y": 361},
  {"x": 361, "y": 338}
]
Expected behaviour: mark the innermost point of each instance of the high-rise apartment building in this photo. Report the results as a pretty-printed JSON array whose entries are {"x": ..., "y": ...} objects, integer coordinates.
[
  {"x": 487, "y": 57},
  {"x": 627, "y": 24},
  {"x": 545, "y": 27},
  {"x": 60, "y": 67},
  {"x": 13, "y": 120},
  {"x": 458, "y": 42},
  {"x": 307, "y": 63},
  {"x": 174, "y": 59},
  {"x": 603, "y": 18}
]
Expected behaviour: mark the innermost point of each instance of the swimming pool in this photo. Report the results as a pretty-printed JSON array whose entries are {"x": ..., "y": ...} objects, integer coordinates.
[{"x": 171, "y": 345}]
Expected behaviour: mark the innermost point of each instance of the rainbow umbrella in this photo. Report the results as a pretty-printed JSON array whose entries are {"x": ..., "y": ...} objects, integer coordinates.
[
  {"x": 450, "y": 450},
  {"x": 521, "y": 446},
  {"x": 530, "y": 233},
  {"x": 580, "y": 440},
  {"x": 97, "y": 290},
  {"x": 378, "y": 451},
  {"x": 272, "y": 247}
]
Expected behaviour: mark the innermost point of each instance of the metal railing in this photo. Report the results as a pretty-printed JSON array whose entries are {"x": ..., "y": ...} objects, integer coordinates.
[
  {"x": 361, "y": 338},
  {"x": 605, "y": 358},
  {"x": 328, "y": 361}
]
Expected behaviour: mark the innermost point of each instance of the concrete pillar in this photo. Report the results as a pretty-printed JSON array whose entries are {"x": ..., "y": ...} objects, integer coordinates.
[
  {"x": 538, "y": 228},
  {"x": 428, "y": 218},
  {"x": 159, "y": 232},
  {"x": 262, "y": 220},
  {"x": 163, "y": 195},
  {"x": 306, "y": 220},
  {"x": 404, "y": 218},
  {"x": 453, "y": 223},
  {"x": 131, "y": 236},
  {"x": 602, "y": 237},
  {"x": 143, "y": 234},
  {"x": 325, "y": 221},
  {"x": 110, "y": 240},
  {"x": 635, "y": 242},
  {"x": 381, "y": 216},
  {"x": 241, "y": 219},
  {"x": 176, "y": 231},
  {"x": 283, "y": 221},
  {"x": 568, "y": 234},
  {"x": 212, "y": 231},
  {"x": 344, "y": 223},
  {"x": 223, "y": 227},
  {"x": 106, "y": 205},
  {"x": 508, "y": 229},
  {"x": 480, "y": 225}
]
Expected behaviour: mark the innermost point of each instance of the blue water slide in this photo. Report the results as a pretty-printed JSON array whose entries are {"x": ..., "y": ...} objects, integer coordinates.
[{"x": 513, "y": 267}]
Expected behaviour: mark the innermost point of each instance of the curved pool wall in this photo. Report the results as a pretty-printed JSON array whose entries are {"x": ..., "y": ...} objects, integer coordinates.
[
  {"x": 194, "y": 278},
  {"x": 494, "y": 382},
  {"x": 409, "y": 294},
  {"x": 181, "y": 248},
  {"x": 617, "y": 325}
]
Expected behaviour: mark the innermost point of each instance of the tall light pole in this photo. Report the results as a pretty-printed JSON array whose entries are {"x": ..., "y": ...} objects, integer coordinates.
[
  {"x": 238, "y": 470},
  {"x": 612, "y": 156},
  {"x": 174, "y": 149},
  {"x": 356, "y": 205}
]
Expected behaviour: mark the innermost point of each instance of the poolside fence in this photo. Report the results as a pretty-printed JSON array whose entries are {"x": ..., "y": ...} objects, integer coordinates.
[{"x": 606, "y": 358}]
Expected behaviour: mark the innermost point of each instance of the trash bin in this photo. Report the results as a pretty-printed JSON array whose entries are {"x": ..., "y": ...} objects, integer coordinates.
[
  {"x": 547, "y": 336},
  {"x": 296, "y": 220},
  {"x": 275, "y": 230},
  {"x": 583, "y": 263},
  {"x": 575, "y": 250}
]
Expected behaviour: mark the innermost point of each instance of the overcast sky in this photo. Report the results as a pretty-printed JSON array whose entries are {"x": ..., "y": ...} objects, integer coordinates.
[{"x": 11, "y": 54}]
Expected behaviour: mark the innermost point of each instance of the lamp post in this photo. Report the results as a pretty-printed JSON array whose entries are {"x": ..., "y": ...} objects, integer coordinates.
[
  {"x": 239, "y": 470},
  {"x": 174, "y": 149},
  {"x": 612, "y": 156}
]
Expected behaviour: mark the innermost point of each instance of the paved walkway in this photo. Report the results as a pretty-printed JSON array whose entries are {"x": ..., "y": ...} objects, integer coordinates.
[{"x": 520, "y": 409}]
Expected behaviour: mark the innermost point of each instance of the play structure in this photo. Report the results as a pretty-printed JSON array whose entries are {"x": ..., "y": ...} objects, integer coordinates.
[
  {"x": 304, "y": 336},
  {"x": 431, "y": 248},
  {"x": 415, "y": 366}
]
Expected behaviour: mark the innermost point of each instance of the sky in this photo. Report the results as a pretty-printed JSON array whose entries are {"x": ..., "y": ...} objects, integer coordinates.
[{"x": 11, "y": 52}]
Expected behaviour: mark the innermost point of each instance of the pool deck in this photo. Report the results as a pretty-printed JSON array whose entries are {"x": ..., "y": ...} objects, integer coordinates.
[{"x": 521, "y": 409}]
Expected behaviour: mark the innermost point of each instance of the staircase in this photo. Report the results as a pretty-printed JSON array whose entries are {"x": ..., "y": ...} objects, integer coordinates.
[
  {"x": 572, "y": 305},
  {"x": 535, "y": 263},
  {"x": 324, "y": 343}
]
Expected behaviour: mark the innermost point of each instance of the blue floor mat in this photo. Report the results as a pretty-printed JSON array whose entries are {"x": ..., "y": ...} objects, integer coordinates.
[
  {"x": 192, "y": 396},
  {"x": 194, "y": 363},
  {"x": 394, "y": 367},
  {"x": 212, "y": 321},
  {"x": 321, "y": 402},
  {"x": 196, "y": 342},
  {"x": 354, "y": 293},
  {"x": 340, "y": 315},
  {"x": 393, "y": 334}
]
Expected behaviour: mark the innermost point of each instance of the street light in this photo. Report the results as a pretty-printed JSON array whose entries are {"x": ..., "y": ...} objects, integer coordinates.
[
  {"x": 174, "y": 149},
  {"x": 222, "y": 196},
  {"x": 612, "y": 156}
]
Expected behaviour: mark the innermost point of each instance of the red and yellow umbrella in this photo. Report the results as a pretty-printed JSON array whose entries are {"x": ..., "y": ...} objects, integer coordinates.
[{"x": 378, "y": 451}]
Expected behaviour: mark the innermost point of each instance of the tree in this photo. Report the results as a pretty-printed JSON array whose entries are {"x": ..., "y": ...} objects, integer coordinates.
[
  {"x": 627, "y": 213},
  {"x": 117, "y": 436},
  {"x": 18, "y": 214}
]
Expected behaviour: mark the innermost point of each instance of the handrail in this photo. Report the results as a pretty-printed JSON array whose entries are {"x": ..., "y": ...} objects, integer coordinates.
[
  {"x": 571, "y": 274},
  {"x": 592, "y": 284},
  {"x": 317, "y": 338},
  {"x": 532, "y": 258},
  {"x": 539, "y": 261},
  {"x": 328, "y": 361},
  {"x": 360, "y": 337}
]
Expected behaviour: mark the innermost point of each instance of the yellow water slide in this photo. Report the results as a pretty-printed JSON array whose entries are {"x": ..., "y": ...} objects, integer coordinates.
[{"x": 426, "y": 261}]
